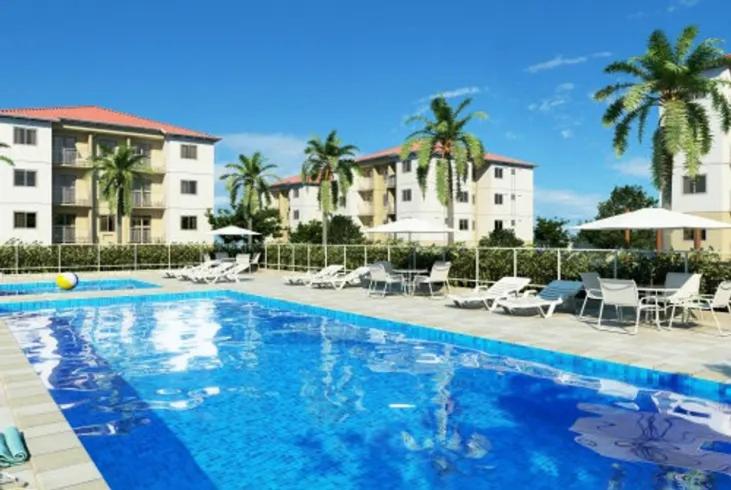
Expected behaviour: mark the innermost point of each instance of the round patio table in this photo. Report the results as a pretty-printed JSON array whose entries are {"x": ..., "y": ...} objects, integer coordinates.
[
  {"x": 410, "y": 275},
  {"x": 658, "y": 291}
]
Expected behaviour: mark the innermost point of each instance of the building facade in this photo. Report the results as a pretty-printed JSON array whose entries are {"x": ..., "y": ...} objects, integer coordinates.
[
  {"x": 498, "y": 195},
  {"x": 51, "y": 195},
  {"x": 708, "y": 194}
]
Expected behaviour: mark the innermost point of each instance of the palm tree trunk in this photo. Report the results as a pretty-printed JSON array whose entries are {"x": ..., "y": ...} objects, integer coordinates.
[
  {"x": 251, "y": 237},
  {"x": 120, "y": 207},
  {"x": 324, "y": 229},
  {"x": 666, "y": 194},
  {"x": 450, "y": 200}
]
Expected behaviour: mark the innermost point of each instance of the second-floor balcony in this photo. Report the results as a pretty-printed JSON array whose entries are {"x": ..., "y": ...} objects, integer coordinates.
[
  {"x": 70, "y": 157},
  {"x": 68, "y": 196},
  {"x": 365, "y": 208},
  {"x": 68, "y": 234},
  {"x": 145, "y": 200},
  {"x": 144, "y": 235},
  {"x": 365, "y": 184}
]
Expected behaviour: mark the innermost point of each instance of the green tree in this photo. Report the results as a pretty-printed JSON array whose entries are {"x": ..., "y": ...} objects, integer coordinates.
[
  {"x": 248, "y": 180},
  {"x": 551, "y": 232},
  {"x": 117, "y": 170},
  {"x": 623, "y": 199},
  {"x": 331, "y": 165},
  {"x": 445, "y": 140},
  {"x": 265, "y": 221},
  {"x": 502, "y": 237},
  {"x": 673, "y": 79},
  {"x": 4, "y": 158},
  {"x": 343, "y": 231}
]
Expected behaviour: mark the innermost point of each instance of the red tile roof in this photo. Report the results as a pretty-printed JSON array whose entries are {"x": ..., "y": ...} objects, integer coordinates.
[
  {"x": 100, "y": 115},
  {"x": 291, "y": 180},
  {"x": 396, "y": 151}
]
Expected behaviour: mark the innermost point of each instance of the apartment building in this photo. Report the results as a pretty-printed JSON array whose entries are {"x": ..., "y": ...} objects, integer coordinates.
[
  {"x": 50, "y": 195},
  {"x": 709, "y": 193},
  {"x": 498, "y": 195}
]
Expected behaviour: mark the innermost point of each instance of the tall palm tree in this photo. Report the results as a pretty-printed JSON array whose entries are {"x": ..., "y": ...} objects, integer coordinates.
[
  {"x": 673, "y": 79},
  {"x": 4, "y": 158},
  {"x": 331, "y": 165},
  {"x": 249, "y": 178},
  {"x": 445, "y": 141},
  {"x": 117, "y": 170}
]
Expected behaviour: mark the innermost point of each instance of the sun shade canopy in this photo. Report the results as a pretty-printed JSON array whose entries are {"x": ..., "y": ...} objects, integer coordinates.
[{"x": 653, "y": 219}]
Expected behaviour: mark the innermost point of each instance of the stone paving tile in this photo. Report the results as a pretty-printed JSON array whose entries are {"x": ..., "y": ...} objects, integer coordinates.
[
  {"x": 60, "y": 459},
  {"x": 50, "y": 443},
  {"x": 97, "y": 484},
  {"x": 68, "y": 475}
]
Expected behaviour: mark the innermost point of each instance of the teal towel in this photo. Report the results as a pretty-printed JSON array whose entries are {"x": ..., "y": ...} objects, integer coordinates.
[{"x": 12, "y": 448}]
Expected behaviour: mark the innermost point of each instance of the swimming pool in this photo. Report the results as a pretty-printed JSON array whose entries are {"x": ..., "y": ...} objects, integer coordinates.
[
  {"x": 23, "y": 288},
  {"x": 226, "y": 390}
]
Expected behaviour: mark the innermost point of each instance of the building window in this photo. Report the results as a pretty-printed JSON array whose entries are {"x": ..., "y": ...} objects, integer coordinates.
[
  {"x": 688, "y": 234},
  {"x": 25, "y": 136},
  {"x": 694, "y": 185},
  {"x": 464, "y": 225},
  {"x": 406, "y": 166},
  {"x": 189, "y": 222},
  {"x": 296, "y": 214},
  {"x": 512, "y": 171},
  {"x": 24, "y": 178},
  {"x": 189, "y": 152},
  {"x": 463, "y": 196},
  {"x": 24, "y": 220},
  {"x": 107, "y": 223},
  {"x": 498, "y": 173},
  {"x": 498, "y": 199},
  {"x": 512, "y": 197},
  {"x": 406, "y": 195},
  {"x": 512, "y": 223},
  {"x": 106, "y": 146},
  {"x": 188, "y": 187},
  {"x": 498, "y": 225},
  {"x": 295, "y": 193}
]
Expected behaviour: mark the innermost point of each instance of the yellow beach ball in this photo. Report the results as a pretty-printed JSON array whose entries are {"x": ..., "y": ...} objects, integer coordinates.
[{"x": 67, "y": 280}]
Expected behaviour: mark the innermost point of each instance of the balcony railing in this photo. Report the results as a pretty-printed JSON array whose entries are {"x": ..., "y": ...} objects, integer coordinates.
[
  {"x": 68, "y": 234},
  {"x": 144, "y": 235},
  {"x": 145, "y": 200},
  {"x": 152, "y": 166},
  {"x": 365, "y": 208},
  {"x": 391, "y": 181},
  {"x": 67, "y": 196},
  {"x": 365, "y": 184},
  {"x": 69, "y": 157}
]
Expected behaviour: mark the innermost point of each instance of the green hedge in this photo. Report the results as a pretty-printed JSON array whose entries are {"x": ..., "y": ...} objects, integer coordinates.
[
  {"x": 51, "y": 258},
  {"x": 541, "y": 265}
]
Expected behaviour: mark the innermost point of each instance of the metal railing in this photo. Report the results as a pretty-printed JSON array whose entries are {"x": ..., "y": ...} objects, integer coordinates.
[
  {"x": 67, "y": 196},
  {"x": 365, "y": 184},
  {"x": 144, "y": 200},
  {"x": 478, "y": 265},
  {"x": 365, "y": 208},
  {"x": 34, "y": 258},
  {"x": 391, "y": 181},
  {"x": 67, "y": 234},
  {"x": 69, "y": 157},
  {"x": 143, "y": 235}
]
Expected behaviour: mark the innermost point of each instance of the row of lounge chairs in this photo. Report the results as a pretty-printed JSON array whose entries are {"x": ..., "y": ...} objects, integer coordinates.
[{"x": 220, "y": 269}]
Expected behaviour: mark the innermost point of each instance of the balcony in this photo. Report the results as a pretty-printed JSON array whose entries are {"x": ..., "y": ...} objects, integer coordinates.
[
  {"x": 152, "y": 166},
  {"x": 391, "y": 182},
  {"x": 365, "y": 208},
  {"x": 365, "y": 184},
  {"x": 69, "y": 157},
  {"x": 68, "y": 234},
  {"x": 144, "y": 235},
  {"x": 67, "y": 196},
  {"x": 144, "y": 200}
]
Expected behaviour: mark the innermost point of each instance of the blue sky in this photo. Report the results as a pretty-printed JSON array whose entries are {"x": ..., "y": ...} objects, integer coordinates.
[{"x": 268, "y": 75}]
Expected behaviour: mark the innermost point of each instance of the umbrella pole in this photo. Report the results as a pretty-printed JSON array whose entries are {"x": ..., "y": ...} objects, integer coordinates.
[
  {"x": 697, "y": 239},
  {"x": 658, "y": 240},
  {"x": 627, "y": 235}
]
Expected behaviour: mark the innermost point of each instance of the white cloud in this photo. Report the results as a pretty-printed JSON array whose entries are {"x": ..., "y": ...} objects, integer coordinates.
[
  {"x": 566, "y": 203},
  {"x": 634, "y": 167},
  {"x": 678, "y": 4},
  {"x": 561, "y": 95},
  {"x": 285, "y": 151},
  {"x": 567, "y": 133},
  {"x": 559, "y": 60},
  {"x": 510, "y": 135},
  {"x": 450, "y": 94}
]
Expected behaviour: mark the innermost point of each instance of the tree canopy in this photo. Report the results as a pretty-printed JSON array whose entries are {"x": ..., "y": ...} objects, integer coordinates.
[
  {"x": 343, "y": 231},
  {"x": 503, "y": 237},
  {"x": 551, "y": 232}
]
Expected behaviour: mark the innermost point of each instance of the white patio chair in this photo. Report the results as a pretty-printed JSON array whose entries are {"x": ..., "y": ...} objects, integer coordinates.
[
  {"x": 255, "y": 261},
  {"x": 307, "y": 278},
  {"x": 623, "y": 293},
  {"x": 342, "y": 279},
  {"x": 189, "y": 273},
  {"x": 682, "y": 298},
  {"x": 438, "y": 276},
  {"x": 590, "y": 280},
  {"x": 719, "y": 300},
  {"x": 221, "y": 255},
  {"x": 504, "y": 288},
  {"x": 177, "y": 273},
  {"x": 378, "y": 275},
  {"x": 212, "y": 274},
  {"x": 550, "y": 297}
]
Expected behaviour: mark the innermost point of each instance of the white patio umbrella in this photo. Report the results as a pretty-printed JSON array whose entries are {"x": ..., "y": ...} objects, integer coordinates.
[
  {"x": 655, "y": 219},
  {"x": 232, "y": 231}
]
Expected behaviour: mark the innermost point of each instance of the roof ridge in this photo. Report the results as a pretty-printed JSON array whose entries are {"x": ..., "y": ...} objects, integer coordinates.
[{"x": 157, "y": 121}]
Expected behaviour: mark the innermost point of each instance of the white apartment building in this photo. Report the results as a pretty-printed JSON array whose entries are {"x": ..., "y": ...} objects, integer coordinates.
[
  {"x": 709, "y": 193},
  {"x": 499, "y": 195},
  {"x": 50, "y": 195}
]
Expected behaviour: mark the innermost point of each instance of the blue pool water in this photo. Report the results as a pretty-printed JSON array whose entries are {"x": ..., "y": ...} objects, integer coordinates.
[
  {"x": 22, "y": 288},
  {"x": 225, "y": 390}
]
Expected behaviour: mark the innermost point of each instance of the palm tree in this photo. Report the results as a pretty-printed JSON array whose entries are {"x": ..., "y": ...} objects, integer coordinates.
[
  {"x": 445, "y": 141},
  {"x": 4, "y": 158},
  {"x": 249, "y": 177},
  {"x": 672, "y": 79},
  {"x": 117, "y": 170},
  {"x": 331, "y": 165}
]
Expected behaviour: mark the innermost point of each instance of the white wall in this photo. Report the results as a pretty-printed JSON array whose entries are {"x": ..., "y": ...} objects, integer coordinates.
[
  {"x": 202, "y": 171},
  {"x": 306, "y": 203},
  {"x": 30, "y": 199},
  {"x": 515, "y": 213}
]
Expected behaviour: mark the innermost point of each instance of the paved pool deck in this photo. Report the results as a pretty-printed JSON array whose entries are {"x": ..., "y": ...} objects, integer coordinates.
[{"x": 59, "y": 460}]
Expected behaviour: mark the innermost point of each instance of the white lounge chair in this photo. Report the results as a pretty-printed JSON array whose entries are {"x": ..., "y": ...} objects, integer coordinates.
[
  {"x": 721, "y": 299},
  {"x": 623, "y": 293},
  {"x": 549, "y": 298},
  {"x": 188, "y": 273},
  {"x": 255, "y": 262},
  {"x": 211, "y": 273},
  {"x": 342, "y": 279},
  {"x": 438, "y": 276},
  {"x": 488, "y": 296},
  {"x": 307, "y": 278},
  {"x": 230, "y": 272},
  {"x": 177, "y": 273},
  {"x": 592, "y": 289},
  {"x": 378, "y": 275}
]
